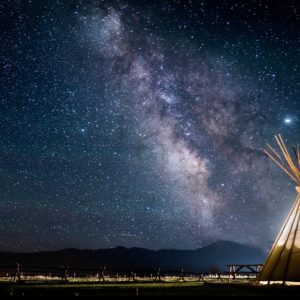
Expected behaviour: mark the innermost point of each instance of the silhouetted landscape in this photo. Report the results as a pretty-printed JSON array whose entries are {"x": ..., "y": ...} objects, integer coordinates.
[{"x": 212, "y": 257}]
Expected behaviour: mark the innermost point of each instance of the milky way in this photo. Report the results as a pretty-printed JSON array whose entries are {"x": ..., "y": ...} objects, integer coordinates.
[{"x": 142, "y": 124}]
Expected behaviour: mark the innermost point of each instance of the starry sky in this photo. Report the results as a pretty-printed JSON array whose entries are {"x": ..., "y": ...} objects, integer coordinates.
[{"x": 142, "y": 123}]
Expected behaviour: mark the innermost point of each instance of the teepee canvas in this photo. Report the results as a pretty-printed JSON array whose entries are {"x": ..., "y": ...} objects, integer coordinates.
[{"x": 283, "y": 262}]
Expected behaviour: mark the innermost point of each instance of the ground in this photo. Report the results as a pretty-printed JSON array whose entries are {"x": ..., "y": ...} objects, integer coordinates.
[{"x": 142, "y": 289}]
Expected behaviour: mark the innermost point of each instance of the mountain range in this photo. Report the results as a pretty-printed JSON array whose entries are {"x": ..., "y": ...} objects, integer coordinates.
[{"x": 205, "y": 259}]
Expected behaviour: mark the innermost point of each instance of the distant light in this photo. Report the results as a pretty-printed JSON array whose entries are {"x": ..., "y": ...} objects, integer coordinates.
[
  {"x": 287, "y": 120},
  {"x": 82, "y": 130}
]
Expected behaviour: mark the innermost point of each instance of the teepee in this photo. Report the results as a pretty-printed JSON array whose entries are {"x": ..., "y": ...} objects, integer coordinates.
[{"x": 283, "y": 262}]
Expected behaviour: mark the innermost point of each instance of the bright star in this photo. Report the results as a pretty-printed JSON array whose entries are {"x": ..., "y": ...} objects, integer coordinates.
[{"x": 287, "y": 120}]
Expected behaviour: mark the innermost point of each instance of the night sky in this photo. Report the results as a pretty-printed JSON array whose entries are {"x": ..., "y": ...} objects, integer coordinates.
[{"x": 141, "y": 123}]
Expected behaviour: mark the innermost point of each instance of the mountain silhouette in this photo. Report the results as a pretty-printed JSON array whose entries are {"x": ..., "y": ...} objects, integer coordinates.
[{"x": 212, "y": 257}]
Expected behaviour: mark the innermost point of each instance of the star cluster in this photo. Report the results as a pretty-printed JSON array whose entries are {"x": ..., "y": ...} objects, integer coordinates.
[{"x": 141, "y": 123}]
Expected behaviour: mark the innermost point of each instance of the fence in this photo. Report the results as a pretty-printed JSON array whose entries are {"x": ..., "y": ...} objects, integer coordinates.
[{"x": 23, "y": 273}]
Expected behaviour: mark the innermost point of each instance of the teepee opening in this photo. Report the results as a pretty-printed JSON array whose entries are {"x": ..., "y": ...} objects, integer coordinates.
[{"x": 282, "y": 265}]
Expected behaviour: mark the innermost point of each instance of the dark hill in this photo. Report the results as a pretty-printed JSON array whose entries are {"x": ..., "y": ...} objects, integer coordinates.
[{"x": 214, "y": 256}]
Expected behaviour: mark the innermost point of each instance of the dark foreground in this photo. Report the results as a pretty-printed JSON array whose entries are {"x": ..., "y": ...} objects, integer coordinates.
[{"x": 142, "y": 289}]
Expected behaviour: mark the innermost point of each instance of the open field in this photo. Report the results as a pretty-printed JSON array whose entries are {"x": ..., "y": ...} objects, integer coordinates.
[{"x": 142, "y": 289}]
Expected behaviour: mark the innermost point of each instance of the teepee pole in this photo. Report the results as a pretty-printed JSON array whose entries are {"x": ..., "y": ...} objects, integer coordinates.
[
  {"x": 276, "y": 153},
  {"x": 285, "y": 152},
  {"x": 284, "y": 163},
  {"x": 296, "y": 154},
  {"x": 287, "y": 156},
  {"x": 281, "y": 166},
  {"x": 280, "y": 159}
]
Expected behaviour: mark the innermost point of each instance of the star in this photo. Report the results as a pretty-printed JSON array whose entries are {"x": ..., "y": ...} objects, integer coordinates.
[{"x": 287, "y": 120}]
